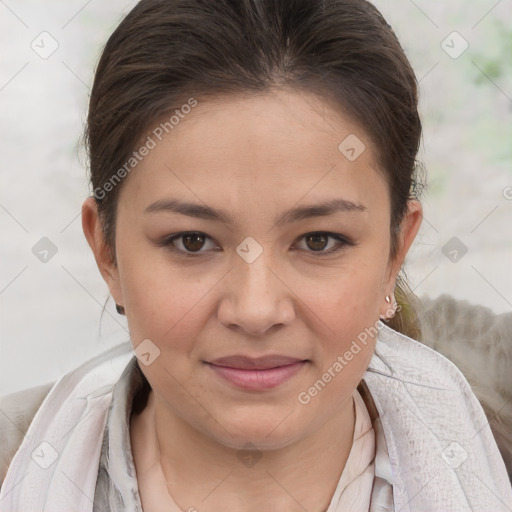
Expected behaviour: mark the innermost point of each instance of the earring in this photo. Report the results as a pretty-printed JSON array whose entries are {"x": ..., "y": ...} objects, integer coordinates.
[
  {"x": 120, "y": 309},
  {"x": 390, "y": 312}
]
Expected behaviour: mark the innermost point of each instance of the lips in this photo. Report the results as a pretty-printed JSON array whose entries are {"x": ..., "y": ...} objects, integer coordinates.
[
  {"x": 260, "y": 363},
  {"x": 257, "y": 374}
]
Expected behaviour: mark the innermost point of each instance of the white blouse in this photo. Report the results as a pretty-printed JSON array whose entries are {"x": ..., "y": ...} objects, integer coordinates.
[{"x": 356, "y": 482}]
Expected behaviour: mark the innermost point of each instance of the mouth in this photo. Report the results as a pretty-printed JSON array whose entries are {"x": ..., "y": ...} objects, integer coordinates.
[{"x": 257, "y": 373}]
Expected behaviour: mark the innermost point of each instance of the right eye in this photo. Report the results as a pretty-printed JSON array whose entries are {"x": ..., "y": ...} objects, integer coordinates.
[{"x": 188, "y": 243}]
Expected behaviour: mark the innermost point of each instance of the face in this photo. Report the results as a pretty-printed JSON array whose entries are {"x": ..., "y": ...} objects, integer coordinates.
[{"x": 247, "y": 232}]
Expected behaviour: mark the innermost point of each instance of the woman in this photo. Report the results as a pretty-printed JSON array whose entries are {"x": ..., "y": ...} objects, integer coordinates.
[{"x": 252, "y": 166}]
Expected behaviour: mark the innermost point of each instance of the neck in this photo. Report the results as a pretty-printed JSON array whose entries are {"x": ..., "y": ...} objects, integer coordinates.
[{"x": 200, "y": 473}]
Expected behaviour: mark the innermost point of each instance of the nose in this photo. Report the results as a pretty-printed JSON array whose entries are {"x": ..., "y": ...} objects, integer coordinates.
[{"x": 256, "y": 299}]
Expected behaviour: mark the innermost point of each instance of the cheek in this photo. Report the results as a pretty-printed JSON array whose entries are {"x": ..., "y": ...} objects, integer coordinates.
[
  {"x": 164, "y": 310},
  {"x": 351, "y": 298},
  {"x": 158, "y": 300},
  {"x": 346, "y": 312}
]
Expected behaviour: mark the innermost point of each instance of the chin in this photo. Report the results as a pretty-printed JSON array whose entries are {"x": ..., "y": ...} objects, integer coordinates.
[
  {"x": 263, "y": 442},
  {"x": 270, "y": 433}
]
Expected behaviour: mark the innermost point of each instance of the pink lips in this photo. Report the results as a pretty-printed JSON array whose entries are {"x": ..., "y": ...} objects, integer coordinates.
[{"x": 257, "y": 373}]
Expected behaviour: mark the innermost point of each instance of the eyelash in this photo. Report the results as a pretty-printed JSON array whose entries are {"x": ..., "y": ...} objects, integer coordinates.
[{"x": 168, "y": 243}]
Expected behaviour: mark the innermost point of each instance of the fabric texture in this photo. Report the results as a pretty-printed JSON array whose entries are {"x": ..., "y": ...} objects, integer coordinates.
[
  {"x": 479, "y": 342},
  {"x": 440, "y": 451},
  {"x": 16, "y": 413}
]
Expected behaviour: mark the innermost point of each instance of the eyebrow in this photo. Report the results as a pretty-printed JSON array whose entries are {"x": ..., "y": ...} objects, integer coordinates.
[{"x": 292, "y": 215}]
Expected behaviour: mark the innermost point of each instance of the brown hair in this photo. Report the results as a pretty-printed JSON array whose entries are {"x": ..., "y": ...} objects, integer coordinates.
[{"x": 165, "y": 52}]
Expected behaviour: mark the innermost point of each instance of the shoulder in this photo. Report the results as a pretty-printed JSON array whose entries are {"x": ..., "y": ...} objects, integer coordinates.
[
  {"x": 447, "y": 324},
  {"x": 96, "y": 377},
  {"x": 16, "y": 413},
  {"x": 424, "y": 371},
  {"x": 433, "y": 423},
  {"x": 407, "y": 360},
  {"x": 409, "y": 376},
  {"x": 479, "y": 342},
  {"x": 475, "y": 338},
  {"x": 425, "y": 381}
]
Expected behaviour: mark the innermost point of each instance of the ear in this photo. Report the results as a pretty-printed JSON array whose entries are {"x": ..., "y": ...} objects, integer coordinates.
[
  {"x": 93, "y": 232},
  {"x": 409, "y": 228}
]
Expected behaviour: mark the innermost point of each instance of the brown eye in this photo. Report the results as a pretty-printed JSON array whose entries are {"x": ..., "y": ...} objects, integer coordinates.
[
  {"x": 193, "y": 241},
  {"x": 188, "y": 243},
  {"x": 316, "y": 241},
  {"x": 324, "y": 243}
]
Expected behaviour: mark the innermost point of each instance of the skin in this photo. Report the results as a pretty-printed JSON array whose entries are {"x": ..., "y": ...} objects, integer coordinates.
[{"x": 253, "y": 156}]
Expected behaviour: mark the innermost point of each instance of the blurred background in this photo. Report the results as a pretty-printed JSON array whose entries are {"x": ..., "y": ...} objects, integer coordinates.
[{"x": 51, "y": 293}]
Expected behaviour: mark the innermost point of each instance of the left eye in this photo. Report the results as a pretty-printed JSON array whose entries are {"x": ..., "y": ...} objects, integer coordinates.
[
  {"x": 190, "y": 243},
  {"x": 317, "y": 242}
]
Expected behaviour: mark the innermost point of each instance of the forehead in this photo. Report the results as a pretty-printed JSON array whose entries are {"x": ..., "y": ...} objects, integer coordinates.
[{"x": 278, "y": 146}]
